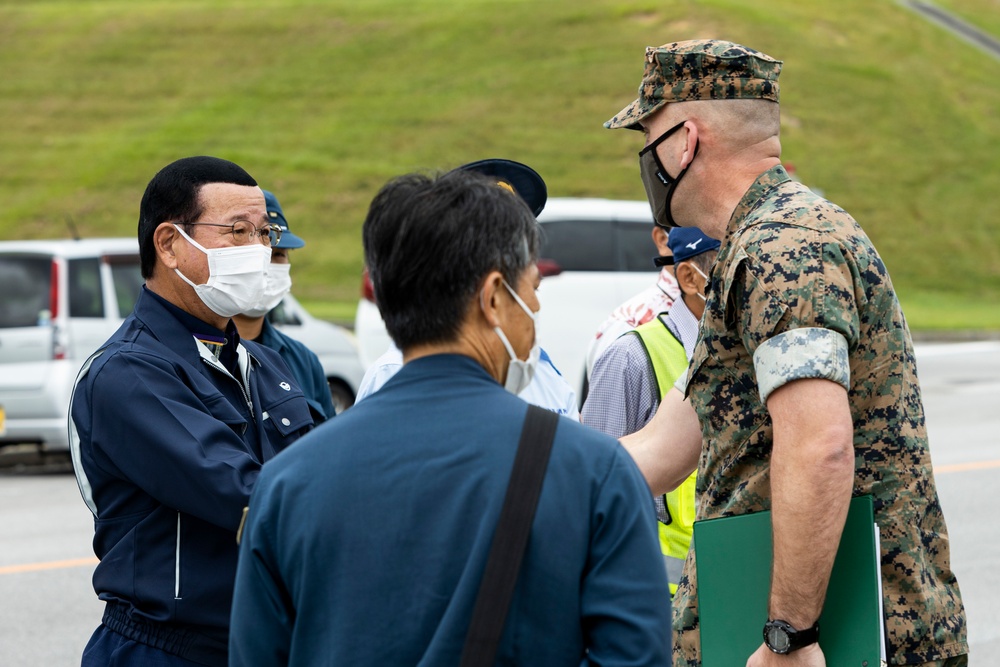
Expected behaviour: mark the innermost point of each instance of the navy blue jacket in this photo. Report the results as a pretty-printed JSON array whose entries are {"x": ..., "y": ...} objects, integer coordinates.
[
  {"x": 167, "y": 446},
  {"x": 305, "y": 366},
  {"x": 366, "y": 540}
]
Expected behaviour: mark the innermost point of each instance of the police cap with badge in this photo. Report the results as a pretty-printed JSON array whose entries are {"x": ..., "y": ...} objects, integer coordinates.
[
  {"x": 516, "y": 177},
  {"x": 277, "y": 217}
]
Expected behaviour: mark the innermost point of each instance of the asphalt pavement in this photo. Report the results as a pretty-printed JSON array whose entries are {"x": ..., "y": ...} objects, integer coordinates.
[
  {"x": 961, "y": 389},
  {"x": 48, "y": 608}
]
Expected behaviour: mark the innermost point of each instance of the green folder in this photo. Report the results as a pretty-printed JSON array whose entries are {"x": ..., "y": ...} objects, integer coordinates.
[{"x": 734, "y": 580}]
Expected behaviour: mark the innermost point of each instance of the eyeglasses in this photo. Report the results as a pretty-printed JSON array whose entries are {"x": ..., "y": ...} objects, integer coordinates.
[{"x": 245, "y": 232}]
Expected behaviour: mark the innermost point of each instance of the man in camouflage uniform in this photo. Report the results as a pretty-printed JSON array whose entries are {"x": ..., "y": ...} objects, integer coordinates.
[{"x": 803, "y": 382}]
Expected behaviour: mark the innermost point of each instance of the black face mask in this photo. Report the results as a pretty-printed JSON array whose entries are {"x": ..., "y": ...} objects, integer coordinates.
[{"x": 660, "y": 185}]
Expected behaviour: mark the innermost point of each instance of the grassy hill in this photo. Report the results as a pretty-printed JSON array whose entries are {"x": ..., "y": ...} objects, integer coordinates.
[{"x": 322, "y": 102}]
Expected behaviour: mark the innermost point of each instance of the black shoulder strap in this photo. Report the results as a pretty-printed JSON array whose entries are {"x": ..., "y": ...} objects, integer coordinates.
[{"x": 510, "y": 538}]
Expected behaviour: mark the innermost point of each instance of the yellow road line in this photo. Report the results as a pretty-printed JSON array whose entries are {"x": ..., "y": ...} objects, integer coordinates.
[
  {"x": 51, "y": 565},
  {"x": 962, "y": 467},
  {"x": 80, "y": 562}
]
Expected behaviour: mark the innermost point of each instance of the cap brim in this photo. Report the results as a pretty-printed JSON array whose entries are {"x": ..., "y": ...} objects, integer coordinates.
[
  {"x": 663, "y": 261},
  {"x": 629, "y": 117},
  {"x": 289, "y": 241},
  {"x": 525, "y": 180}
]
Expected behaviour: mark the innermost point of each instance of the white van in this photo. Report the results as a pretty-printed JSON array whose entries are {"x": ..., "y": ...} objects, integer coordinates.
[
  {"x": 61, "y": 300},
  {"x": 595, "y": 254}
]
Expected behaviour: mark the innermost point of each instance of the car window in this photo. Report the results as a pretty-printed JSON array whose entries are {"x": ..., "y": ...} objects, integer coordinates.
[
  {"x": 281, "y": 315},
  {"x": 84, "y": 280},
  {"x": 127, "y": 278},
  {"x": 598, "y": 245},
  {"x": 26, "y": 285},
  {"x": 580, "y": 245},
  {"x": 636, "y": 247}
]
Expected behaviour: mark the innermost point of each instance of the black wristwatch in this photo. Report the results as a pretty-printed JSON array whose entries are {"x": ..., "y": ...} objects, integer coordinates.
[{"x": 782, "y": 638}]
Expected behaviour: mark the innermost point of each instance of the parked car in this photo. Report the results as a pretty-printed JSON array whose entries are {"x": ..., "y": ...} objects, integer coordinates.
[
  {"x": 334, "y": 345},
  {"x": 595, "y": 254},
  {"x": 63, "y": 298}
]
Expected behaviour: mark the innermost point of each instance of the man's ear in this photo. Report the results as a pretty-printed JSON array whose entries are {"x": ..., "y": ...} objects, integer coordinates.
[
  {"x": 660, "y": 238},
  {"x": 489, "y": 297},
  {"x": 164, "y": 238},
  {"x": 685, "y": 275},
  {"x": 690, "y": 145}
]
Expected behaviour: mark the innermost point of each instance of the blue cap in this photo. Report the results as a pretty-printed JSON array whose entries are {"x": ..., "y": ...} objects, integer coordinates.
[
  {"x": 685, "y": 243},
  {"x": 515, "y": 176},
  {"x": 277, "y": 216}
]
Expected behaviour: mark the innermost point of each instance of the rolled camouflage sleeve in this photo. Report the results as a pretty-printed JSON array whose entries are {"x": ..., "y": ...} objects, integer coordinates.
[
  {"x": 799, "y": 307},
  {"x": 801, "y": 354}
]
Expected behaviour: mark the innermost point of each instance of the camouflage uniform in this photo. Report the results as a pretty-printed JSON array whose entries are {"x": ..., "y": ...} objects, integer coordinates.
[
  {"x": 798, "y": 291},
  {"x": 798, "y": 282}
]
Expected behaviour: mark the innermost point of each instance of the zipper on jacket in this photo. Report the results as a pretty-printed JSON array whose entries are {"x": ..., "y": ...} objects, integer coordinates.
[
  {"x": 244, "y": 379},
  {"x": 210, "y": 359},
  {"x": 177, "y": 561},
  {"x": 246, "y": 394}
]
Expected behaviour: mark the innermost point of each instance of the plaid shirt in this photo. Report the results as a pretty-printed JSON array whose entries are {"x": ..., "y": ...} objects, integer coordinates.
[{"x": 623, "y": 393}]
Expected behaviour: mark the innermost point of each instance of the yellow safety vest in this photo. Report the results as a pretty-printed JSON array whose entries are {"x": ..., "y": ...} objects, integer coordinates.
[{"x": 669, "y": 361}]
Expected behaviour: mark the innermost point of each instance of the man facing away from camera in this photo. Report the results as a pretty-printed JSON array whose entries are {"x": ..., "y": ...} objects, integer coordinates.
[
  {"x": 371, "y": 552},
  {"x": 547, "y": 388}
]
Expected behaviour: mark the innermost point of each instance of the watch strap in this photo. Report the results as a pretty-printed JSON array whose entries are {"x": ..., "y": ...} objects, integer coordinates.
[{"x": 796, "y": 638}]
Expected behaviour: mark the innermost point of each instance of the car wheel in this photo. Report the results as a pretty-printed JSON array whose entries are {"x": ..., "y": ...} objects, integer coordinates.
[{"x": 341, "y": 394}]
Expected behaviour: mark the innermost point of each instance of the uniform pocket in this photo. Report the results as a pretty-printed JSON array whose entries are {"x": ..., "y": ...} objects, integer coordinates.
[
  {"x": 289, "y": 415},
  {"x": 220, "y": 408}
]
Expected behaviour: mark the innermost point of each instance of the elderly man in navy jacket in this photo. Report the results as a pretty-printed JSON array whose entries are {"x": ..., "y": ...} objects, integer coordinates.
[
  {"x": 366, "y": 542},
  {"x": 173, "y": 417}
]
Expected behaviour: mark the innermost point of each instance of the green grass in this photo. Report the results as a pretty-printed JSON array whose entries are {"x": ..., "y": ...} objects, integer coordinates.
[
  {"x": 982, "y": 14},
  {"x": 324, "y": 101},
  {"x": 934, "y": 311},
  {"x": 341, "y": 312}
]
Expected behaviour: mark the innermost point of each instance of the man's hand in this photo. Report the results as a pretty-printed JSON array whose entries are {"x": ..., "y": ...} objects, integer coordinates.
[{"x": 807, "y": 656}]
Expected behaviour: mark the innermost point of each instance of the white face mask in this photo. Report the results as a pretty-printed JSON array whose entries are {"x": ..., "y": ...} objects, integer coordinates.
[
  {"x": 236, "y": 277},
  {"x": 277, "y": 285},
  {"x": 520, "y": 373}
]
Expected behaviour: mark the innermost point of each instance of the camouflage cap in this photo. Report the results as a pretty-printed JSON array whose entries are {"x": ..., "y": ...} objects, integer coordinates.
[{"x": 700, "y": 69}]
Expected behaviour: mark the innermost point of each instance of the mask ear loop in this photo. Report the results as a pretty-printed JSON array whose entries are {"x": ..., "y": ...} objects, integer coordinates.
[
  {"x": 196, "y": 245},
  {"x": 506, "y": 343},
  {"x": 497, "y": 330},
  {"x": 707, "y": 280},
  {"x": 700, "y": 272},
  {"x": 528, "y": 311},
  {"x": 664, "y": 175},
  {"x": 189, "y": 239},
  {"x": 675, "y": 183}
]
